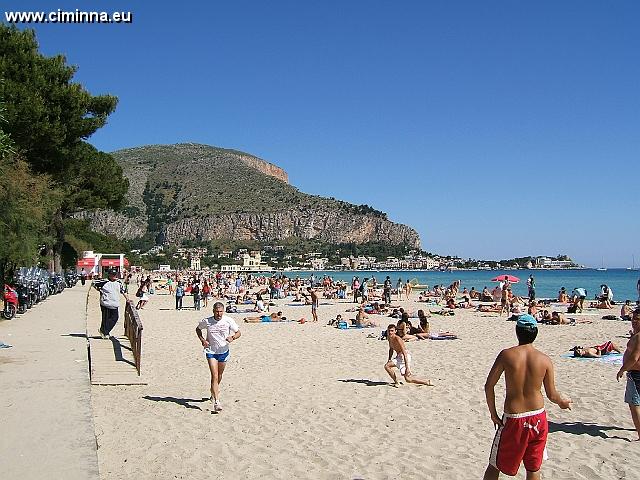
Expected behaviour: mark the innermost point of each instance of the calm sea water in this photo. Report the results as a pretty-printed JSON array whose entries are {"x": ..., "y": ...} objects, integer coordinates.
[{"x": 548, "y": 282}]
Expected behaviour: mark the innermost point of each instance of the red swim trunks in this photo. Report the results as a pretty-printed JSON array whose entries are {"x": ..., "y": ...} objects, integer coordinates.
[
  {"x": 522, "y": 438},
  {"x": 605, "y": 348}
]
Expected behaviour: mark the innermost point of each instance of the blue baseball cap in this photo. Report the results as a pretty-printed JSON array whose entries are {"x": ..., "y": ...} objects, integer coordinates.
[{"x": 526, "y": 321}]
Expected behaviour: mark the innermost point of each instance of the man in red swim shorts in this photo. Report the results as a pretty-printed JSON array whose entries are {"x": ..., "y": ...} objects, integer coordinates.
[{"x": 521, "y": 434}]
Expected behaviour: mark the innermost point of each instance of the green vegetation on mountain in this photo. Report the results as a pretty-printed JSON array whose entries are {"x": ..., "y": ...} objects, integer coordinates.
[{"x": 170, "y": 182}]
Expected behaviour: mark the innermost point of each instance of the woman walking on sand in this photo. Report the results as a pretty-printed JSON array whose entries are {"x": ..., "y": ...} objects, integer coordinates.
[{"x": 143, "y": 294}]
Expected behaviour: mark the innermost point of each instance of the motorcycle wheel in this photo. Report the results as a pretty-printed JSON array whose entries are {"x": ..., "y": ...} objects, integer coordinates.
[
  {"x": 9, "y": 311},
  {"x": 22, "y": 308}
]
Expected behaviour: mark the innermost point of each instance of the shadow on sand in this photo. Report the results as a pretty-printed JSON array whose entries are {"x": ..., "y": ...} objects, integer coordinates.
[
  {"x": 591, "y": 429},
  {"x": 363, "y": 381},
  {"x": 76, "y": 335},
  {"x": 184, "y": 402}
]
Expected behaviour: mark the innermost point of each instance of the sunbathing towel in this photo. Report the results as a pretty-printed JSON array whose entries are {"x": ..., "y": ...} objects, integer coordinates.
[
  {"x": 444, "y": 312},
  {"x": 611, "y": 359},
  {"x": 437, "y": 336},
  {"x": 346, "y": 326}
]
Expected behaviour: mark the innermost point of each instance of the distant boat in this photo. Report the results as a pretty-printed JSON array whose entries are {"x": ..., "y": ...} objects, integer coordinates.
[
  {"x": 601, "y": 269},
  {"x": 633, "y": 263}
]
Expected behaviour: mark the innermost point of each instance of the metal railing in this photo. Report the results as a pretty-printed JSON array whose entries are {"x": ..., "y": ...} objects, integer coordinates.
[{"x": 133, "y": 330}]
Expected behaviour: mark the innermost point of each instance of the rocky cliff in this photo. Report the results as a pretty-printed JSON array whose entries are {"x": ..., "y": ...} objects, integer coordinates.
[
  {"x": 329, "y": 226},
  {"x": 198, "y": 192},
  {"x": 263, "y": 166}
]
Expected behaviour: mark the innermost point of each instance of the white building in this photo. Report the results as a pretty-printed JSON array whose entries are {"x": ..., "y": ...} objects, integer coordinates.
[
  {"x": 97, "y": 263},
  {"x": 250, "y": 263}
]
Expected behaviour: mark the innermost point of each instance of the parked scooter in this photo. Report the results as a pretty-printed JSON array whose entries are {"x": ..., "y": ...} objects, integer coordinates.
[
  {"x": 10, "y": 298},
  {"x": 21, "y": 285}
]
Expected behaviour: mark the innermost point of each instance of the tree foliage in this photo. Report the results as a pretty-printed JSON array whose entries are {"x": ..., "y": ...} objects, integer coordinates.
[
  {"x": 27, "y": 204},
  {"x": 48, "y": 119}
]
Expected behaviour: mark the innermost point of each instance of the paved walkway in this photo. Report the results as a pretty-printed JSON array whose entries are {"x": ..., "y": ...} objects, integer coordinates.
[{"x": 46, "y": 423}]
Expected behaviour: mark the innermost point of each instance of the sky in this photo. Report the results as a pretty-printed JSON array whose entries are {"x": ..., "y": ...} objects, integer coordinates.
[{"x": 496, "y": 129}]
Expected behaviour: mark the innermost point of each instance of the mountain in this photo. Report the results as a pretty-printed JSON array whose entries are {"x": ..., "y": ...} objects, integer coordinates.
[{"x": 198, "y": 192}]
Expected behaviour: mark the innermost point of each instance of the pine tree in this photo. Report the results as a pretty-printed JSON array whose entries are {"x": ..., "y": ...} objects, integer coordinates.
[{"x": 49, "y": 118}]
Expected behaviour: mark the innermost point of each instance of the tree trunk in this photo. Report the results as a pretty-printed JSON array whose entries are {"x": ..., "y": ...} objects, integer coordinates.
[{"x": 58, "y": 226}]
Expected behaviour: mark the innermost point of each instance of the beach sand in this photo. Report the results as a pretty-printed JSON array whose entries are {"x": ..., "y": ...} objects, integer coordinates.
[{"x": 311, "y": 401}]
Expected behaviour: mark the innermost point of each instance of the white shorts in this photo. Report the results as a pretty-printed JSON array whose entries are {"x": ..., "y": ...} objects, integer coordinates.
[{"x": 400, "y": 363}]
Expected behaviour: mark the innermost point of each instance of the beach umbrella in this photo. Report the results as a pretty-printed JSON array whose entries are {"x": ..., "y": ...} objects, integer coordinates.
[{"x": 502, "y": 278}]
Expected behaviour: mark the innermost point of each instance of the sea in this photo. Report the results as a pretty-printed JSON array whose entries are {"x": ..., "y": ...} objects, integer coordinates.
[{"x": 622, "y": 282}]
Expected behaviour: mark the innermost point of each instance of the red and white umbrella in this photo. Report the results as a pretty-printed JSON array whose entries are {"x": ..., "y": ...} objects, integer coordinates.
[{"x": 502, "y": 278}]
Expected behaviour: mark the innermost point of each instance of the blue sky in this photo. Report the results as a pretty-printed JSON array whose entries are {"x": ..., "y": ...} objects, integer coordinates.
[{"x": 495, "y": 129}]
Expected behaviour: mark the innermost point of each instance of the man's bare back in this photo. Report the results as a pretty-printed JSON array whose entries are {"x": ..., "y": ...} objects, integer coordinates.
[{"x": 525, "y": 369}]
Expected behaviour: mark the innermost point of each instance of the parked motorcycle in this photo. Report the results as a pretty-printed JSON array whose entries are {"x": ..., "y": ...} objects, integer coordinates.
[
  {"x": 10, "y": 298},
  {"x": 21, "y": 285},
  {"x": 71, "y": 278}
]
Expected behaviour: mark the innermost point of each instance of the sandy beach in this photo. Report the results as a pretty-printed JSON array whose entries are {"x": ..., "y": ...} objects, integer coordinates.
[{"x": 311, "y": 401}]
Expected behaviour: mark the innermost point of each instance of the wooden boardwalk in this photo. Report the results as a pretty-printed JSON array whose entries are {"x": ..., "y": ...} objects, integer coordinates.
[{"x": 112, "y": 361}]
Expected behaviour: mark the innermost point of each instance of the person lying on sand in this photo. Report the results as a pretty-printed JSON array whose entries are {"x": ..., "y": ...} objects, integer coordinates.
[
  {"x": 443, "y": 336},
  {"x": 494, "y": 308},
  {"x": 596, "y": 351},
  {"x": 544, "y": 316},
  {"x": 274, "y": 317},
  {"x": 402, "y": 361},
  {"x": 375, "y": 308},
  {"x": 557, "y": 318}
]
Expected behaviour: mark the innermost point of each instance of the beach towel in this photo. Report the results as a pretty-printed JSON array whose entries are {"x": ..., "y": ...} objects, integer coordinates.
[
  {"x": 437, "y": 336},
  {"x": 446, "y": 313},
  {"x": 345, "y": 326},
  {"x": 611, "y": 359}
]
